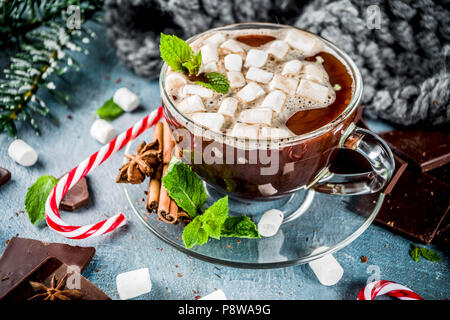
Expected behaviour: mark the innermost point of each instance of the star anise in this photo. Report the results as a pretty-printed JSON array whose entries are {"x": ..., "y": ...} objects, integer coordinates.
[
  {"x": 56, "y": 290},
  {"x": 143, "y": 163}
]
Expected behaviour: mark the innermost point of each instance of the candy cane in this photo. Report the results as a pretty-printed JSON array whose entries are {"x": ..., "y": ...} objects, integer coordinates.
[
  {"x": 52, "y": 216},
  {"x": 389, "y": 288}
]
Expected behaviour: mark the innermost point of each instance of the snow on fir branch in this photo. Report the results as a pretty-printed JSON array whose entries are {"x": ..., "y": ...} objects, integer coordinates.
[{"x": 43, "y": 53}]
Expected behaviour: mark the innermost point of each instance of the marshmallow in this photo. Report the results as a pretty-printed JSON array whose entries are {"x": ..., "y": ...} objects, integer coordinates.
[
  {"x": 126, "y": 99},
  {"x": 132, "y": 284},
  {"x": 215, "y": 39},
  {"x": 257, "y": 116},
  {"x": 267, "y": 189},
  {"x": 313, "y": 91},
  {"x": 233, "y": 62},
  {"x": 210, "y": 67},
  {"x": 288, "y": 85},
  {"x": 242, "y": 130},
  {"x": 274, "y": 100},
  {"x": 216, "y": 295},
  {"x": 250, "y": 92},
  {"x": 211, "y": 120},
  {"x": 304, "y": 42},
  {"x": 22, "y": 153},
  {"x": 198, "y": 90},
  {"x": 232, "y": 46},
  {"x": 313, "y": 72},
  {"x": 228, "y": 106},
  {"x": 236, "y": 79},
  {"x": 256, "y": 58},
  {"x": 175, "y": 80},
  {"x": 209, "y": 53},
  {"x": 292, "y": 67},
  {"x": 102, "y": 131},
  {"x": 278, "y": 49},
  {"x": 191, "y": 105},
  {"x": 270, "y": 222},
  {"x": 327, "y": 269},
  {"x": 274, "y": 133},
  {"x": 259, "y": 75}
]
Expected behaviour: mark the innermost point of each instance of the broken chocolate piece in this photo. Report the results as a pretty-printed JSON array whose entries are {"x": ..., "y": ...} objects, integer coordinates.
[
  {"x": 427, "y": 149},
  {"x": 5, "y": 176},
  {"x": 416, "y": 206},
  {"x": 442, "y": 173},
  {"x": 76, "y": 286},
  {"x": 77, "y": 197},
  {"x": 22, "y": 255}
]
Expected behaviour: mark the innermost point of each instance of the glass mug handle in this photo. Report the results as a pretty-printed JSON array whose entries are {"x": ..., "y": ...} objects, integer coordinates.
[{"x": 375, "y": 150}]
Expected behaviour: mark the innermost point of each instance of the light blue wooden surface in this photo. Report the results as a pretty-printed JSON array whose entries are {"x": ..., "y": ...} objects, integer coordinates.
[{"x": 63, "y": 146}]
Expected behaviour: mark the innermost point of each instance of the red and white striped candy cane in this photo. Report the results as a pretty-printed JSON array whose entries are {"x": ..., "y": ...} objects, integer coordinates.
[
  {"x": 52, "y": 216},
  {"x": 389, "y": 288}
]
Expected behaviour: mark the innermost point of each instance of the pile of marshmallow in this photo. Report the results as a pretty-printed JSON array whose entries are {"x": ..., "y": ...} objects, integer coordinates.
[{"x": 298, "y": 78}]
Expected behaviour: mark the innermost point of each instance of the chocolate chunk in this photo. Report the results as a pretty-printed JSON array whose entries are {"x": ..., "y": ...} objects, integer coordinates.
[
  {"x": 442, "y": 173},
  {"x": 427, "y": 149},
  {"x": 76, "y": 198},
  {"x": 44, "y": 272},
  {"x": 22, "y": 255},
  {"x": 416, "y": 205},
  {"x": 5, "y": 176}
]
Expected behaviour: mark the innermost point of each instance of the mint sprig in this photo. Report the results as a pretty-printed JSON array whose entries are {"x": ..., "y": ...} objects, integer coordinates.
[
  {"x": 36, "y": 197},
  {"x": 181, "y": 58},
  {"x": 216, "y": 81},
  {"x": 417, "y": 252},
  {"x": 187, "y": 190},
  {"x": 110, "y": 110}
]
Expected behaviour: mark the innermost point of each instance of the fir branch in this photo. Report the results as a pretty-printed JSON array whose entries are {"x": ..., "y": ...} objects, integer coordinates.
[{"x": 43, "y": 53}]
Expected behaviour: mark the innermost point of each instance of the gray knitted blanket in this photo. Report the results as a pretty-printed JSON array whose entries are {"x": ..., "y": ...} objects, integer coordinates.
[{"x": 401, "y": 47}]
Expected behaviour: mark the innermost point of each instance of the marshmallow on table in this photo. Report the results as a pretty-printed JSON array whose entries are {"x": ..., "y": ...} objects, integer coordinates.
[
  {"x": 327, "y": 269},
  {"x": 175, "y": 80},
  {"x": 258, "y": 75},
  {"x": 242, "y": 130},
  {"x": 232, "y": 46},
  {"x": 274, "y": 133},
  {"x": 211, "y": 120},
  {"x": 216, "y": 295},
  {"x": 278, "y": 49},
  {"x": 292, "y": 67},
  {"x": 270, "y": 222},
  {"x": 102, "y": 131},
  {"x": 257, "y": 116},
  {"x": 314, "y": 72},
  {"x": 256, "y": 58},
  {"x": 192, "y": 104},
  {"x": 209, "y": 53},
  {"x": 132, "y": 284},
  {"x": 215, "y": 39},
  {"x": 274, "y": 100},
  {"x": 312, "y": 91},
  {"x": 22, "y": 153},
  {"x": 288, "y": 85},
  {"x": 126, "y": 99},
  {"x": 233, "y": 62},
  {"x": 228, "y": 106},
  {"x": 250, "y": 92},
  {"x": 304, "y": 42},
  {"x": 236, "y": 79},
  {"x": 198, "y": 90}
]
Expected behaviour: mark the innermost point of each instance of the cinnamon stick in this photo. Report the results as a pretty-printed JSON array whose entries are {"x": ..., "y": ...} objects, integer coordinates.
[
  {"x": 155, "y": 181},
  {"x": 164, "y": 202},
  {"x": 168, "y": 144}
]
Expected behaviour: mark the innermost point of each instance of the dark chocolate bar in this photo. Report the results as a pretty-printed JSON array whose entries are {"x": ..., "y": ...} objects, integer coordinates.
[{"x": 23, "y": 255}]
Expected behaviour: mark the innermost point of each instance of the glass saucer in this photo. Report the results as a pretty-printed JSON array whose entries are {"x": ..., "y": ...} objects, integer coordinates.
[{"x": 312, "y": 220}]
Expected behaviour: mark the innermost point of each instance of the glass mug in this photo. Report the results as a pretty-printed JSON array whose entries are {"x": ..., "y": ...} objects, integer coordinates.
[{"x": 271, "y": 169}]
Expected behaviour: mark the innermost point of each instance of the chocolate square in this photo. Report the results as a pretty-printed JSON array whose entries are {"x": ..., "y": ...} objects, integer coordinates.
[{"x": 77, "y": 197}]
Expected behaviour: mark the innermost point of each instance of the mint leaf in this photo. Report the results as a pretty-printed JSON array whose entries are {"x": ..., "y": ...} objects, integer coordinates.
[
  {"x": 178, "y": 54},
  {"x": 184, "y": 187},
  {"x": 206, "y": 225},
  {"x": 36, "y": 197},
  {"x": 241, "y": 227},
  {"x": 415, "y": 253},
  {"x": 110, "y": 110},
  {"x": 215, "y": 81},
  {"x": 430, "y": 254}
]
